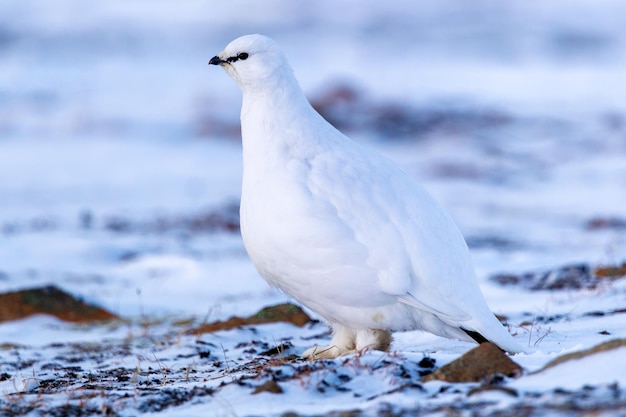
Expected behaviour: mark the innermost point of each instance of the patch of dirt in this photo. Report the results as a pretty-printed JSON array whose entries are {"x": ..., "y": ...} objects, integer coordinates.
[
  {"x": 170, "y": 397},
  {"x": 53, "y": 301},
  {"x": 66, "y": 410},
  {"x": 270, "y": 386},
  {"x": 348, "y": 107},
  {"x": 224, "y": 218},
  {"x": 589, "y": 401},
  {"x": 221, "y": 218},
  {"x": 36, "y": 225},
  {"x": 567, "y": 277},
  {"x": 611, "y": 271},
  {"x": 289, "y": 313},
  {"x": 606, "y": 223}
]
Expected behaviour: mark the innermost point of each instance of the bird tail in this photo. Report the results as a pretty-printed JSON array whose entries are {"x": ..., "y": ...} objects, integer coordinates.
[{"x": 499, "y": 336}]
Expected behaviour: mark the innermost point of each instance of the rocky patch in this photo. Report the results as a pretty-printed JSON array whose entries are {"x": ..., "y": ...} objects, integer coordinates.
[
  {"x": 53, "y": 301},
  {"x": 567, "y": 277}
]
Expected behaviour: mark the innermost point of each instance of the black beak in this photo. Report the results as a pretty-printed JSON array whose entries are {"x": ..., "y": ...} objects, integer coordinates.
[{"x": 216, "y": 60}]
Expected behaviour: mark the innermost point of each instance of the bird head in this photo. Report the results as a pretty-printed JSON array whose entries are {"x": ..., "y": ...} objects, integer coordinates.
[{"x": 251, "y": 60}]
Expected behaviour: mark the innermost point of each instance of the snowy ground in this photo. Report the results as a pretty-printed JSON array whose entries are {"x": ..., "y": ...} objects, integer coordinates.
[{"x": 120, "y": 170}]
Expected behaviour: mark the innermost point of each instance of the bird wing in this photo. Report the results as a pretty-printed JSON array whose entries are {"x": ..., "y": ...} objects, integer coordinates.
[
  {"x": 412, "y": 246},
  {"x": 297, "y": 240}
]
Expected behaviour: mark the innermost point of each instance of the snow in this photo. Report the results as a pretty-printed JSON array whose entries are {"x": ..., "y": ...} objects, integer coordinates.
[
  {"x": 109, "y": 114},
  {"x": 602, "y": 368}
]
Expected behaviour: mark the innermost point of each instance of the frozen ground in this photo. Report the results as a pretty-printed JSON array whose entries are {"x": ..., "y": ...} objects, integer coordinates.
[{"x": 119, "y": 182}]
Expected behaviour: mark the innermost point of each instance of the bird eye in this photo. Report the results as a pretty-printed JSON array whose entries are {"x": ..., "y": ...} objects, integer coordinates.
[{"x": 241, "y": 56}]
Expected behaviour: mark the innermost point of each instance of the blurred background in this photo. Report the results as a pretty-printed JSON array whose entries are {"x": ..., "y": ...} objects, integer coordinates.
[{"x": 120, "y": 154}]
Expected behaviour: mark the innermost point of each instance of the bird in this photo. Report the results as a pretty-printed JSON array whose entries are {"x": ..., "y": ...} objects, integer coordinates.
[{"x": 341, "y": 228}]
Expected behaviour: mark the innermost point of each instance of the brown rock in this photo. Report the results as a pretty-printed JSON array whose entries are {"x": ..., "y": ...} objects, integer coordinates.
[
  {"x": 611, "y": 271},
  {"x": 604, "y": 223},
  {"x": 268, "y": 386},
  {"x": 49, "y": 300},
  {"x": 287, "y": 312},
  {"x": 477, "y": 365}
]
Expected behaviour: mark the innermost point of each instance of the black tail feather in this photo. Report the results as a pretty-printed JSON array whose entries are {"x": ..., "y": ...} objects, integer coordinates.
[{"x": 479, "y": 338}]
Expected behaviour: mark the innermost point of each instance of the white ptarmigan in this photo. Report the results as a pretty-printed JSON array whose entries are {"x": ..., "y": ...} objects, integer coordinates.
[{"x": 342, "y": 229}]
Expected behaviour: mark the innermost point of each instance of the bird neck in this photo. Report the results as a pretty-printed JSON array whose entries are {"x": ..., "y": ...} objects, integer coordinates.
[
  {"x": 278, "y": 125},
  {"x": 276, "y": 110},
  {"x": 276, "y": 96}
]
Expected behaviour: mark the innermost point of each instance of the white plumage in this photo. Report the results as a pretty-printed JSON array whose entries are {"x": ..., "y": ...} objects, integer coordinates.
[{"x": 340, "y": 228}]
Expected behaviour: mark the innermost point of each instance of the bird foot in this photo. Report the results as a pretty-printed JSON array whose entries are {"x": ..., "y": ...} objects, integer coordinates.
[
  {"x": 347, "y": 342},
  {"x": 325, "y": 352}
]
